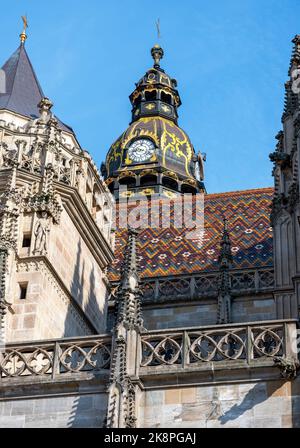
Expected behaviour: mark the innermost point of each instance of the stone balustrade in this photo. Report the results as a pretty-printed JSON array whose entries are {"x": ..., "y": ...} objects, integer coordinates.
[
  {"x": 206, "y": 284},
  {"x": 248, "y": 343},
  {"x": 244, "y": 345},
  {"x": 55, "y": 358}
]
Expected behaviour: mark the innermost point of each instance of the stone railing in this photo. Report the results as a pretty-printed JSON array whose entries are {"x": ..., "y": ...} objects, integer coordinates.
[
  {"x": 249, "y": 343},
  {"x": 55, "y": 357},
  {"x": 197, "y": 286}
]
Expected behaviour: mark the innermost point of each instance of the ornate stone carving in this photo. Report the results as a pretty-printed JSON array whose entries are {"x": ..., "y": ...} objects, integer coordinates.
[
  {"x": 41, "y": 234},
  {"x": 224, "y": 284},
  {"x": 212, "y": 345},
  {"x": 293, "y": 196},
  {"x": 77, "y": 355},
  {"x": 289, "y": 367},
  {"x": 45, "y": 106},
  {"x": 128, "y": 324},
  {"x": 291, "y": 102}
]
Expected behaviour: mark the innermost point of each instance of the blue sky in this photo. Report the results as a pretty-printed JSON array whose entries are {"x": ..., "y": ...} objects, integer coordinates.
[{"x": 230, "y": 58}]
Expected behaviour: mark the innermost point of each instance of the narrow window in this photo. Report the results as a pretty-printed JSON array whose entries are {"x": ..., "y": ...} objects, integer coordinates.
[
  {"x": 26, "y": 240},
  {"x": 22, "y": 291}
]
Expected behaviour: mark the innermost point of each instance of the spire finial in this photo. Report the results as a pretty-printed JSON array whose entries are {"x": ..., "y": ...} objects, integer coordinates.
[
  {"x": 157, "y": 52},
  {"x": 130, "y": 276},
  {"x": 23, "y": 35}
]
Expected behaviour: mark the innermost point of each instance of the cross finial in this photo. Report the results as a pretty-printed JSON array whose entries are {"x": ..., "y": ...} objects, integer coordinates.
[
  {"x": 157, "y": 52},
  {"x": 23, "y": 35},
  {"x": 158, "y": 28}
]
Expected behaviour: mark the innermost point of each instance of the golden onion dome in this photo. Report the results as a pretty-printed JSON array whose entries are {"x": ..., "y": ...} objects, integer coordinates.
[{"x": 173, "y": 149}]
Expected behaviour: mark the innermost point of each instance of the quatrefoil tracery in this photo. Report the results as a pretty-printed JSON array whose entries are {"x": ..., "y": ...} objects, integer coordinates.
[
  {"x": 267, "y": 343},
  {"x": 75, "y": 358},
  {"x": 209, "y": 347},
  {"x": 16, "y": 363},
  {"x": 166, "y": 351}
]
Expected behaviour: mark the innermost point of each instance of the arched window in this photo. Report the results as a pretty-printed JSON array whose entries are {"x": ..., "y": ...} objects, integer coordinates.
[
  {"x": 129, "y": 181},
  {"x": 185, "y": 188},
  {"x": 170, "y": 183},
  {"x": 148, "y": 180},
  {"x": 166, "y": 98},
  {"x": 150, "y": 96}
]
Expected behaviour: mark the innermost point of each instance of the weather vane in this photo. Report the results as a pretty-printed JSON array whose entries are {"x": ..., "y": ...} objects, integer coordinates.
[
  {"x": 23, "y": 35},
  {"x": 158, "y": 28}
]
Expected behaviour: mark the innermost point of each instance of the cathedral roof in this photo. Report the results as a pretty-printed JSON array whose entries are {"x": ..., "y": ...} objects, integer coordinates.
[
  {"x": 22, "y": 88},
  {"x": 167, "y": 251}
]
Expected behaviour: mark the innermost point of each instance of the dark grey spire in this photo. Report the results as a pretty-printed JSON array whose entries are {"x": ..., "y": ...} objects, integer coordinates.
[{"x": 22, "y": 92}]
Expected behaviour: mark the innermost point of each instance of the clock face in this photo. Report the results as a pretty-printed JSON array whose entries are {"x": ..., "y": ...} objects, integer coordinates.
[{"x": 141, "y": 150}]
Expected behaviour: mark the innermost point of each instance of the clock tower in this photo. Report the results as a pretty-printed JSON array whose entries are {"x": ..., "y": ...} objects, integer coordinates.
[{"x": 154, "y": 156}]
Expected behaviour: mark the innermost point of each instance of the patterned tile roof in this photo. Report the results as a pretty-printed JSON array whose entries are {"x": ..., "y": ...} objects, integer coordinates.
[{"x": 167, "y": 251}]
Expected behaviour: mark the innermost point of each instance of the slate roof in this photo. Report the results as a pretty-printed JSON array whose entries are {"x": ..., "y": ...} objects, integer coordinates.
[
  {"x": 22, "y": 91},
  {"x": 167, "y": 251}
]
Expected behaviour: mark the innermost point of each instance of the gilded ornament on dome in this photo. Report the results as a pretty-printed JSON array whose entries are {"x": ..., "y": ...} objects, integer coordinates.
[
  {"x": 127, "y": 194},
  {"x": 147, "y": 172},
  {"x": 165, "y": 108},
  {"x": 148, "y": 191},
  {"x": 190, "y": 182},
  {"x": 126, "y": 173},
  {"x": 150, "y": 106},
  {"x": 171, "y": 174},
  {"x": 164, "y": 79},
  {"x": 151, "y": 78},
  {"x": 170, "y": 194}
]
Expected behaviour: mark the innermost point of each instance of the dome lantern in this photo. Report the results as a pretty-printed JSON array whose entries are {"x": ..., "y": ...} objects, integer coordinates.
[{"x": 154, "y": 156}]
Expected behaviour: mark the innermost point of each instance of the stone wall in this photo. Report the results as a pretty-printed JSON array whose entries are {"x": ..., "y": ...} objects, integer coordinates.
[
  {"x": 79, "y": 270},
  {"x": 273, "y": 404},
  {"x": 54, "y": 412},
  {"x": 245, "y": 309},
  {"x": 47, "y": 312},
  {"x": 59, "y": 285}
]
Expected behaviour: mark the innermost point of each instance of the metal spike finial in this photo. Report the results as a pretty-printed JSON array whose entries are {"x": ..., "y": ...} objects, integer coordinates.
[
  {"x": 23, "y": 35},
  {"x": 158, "y": 28},
  {"x": 157, "y": 52}
]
